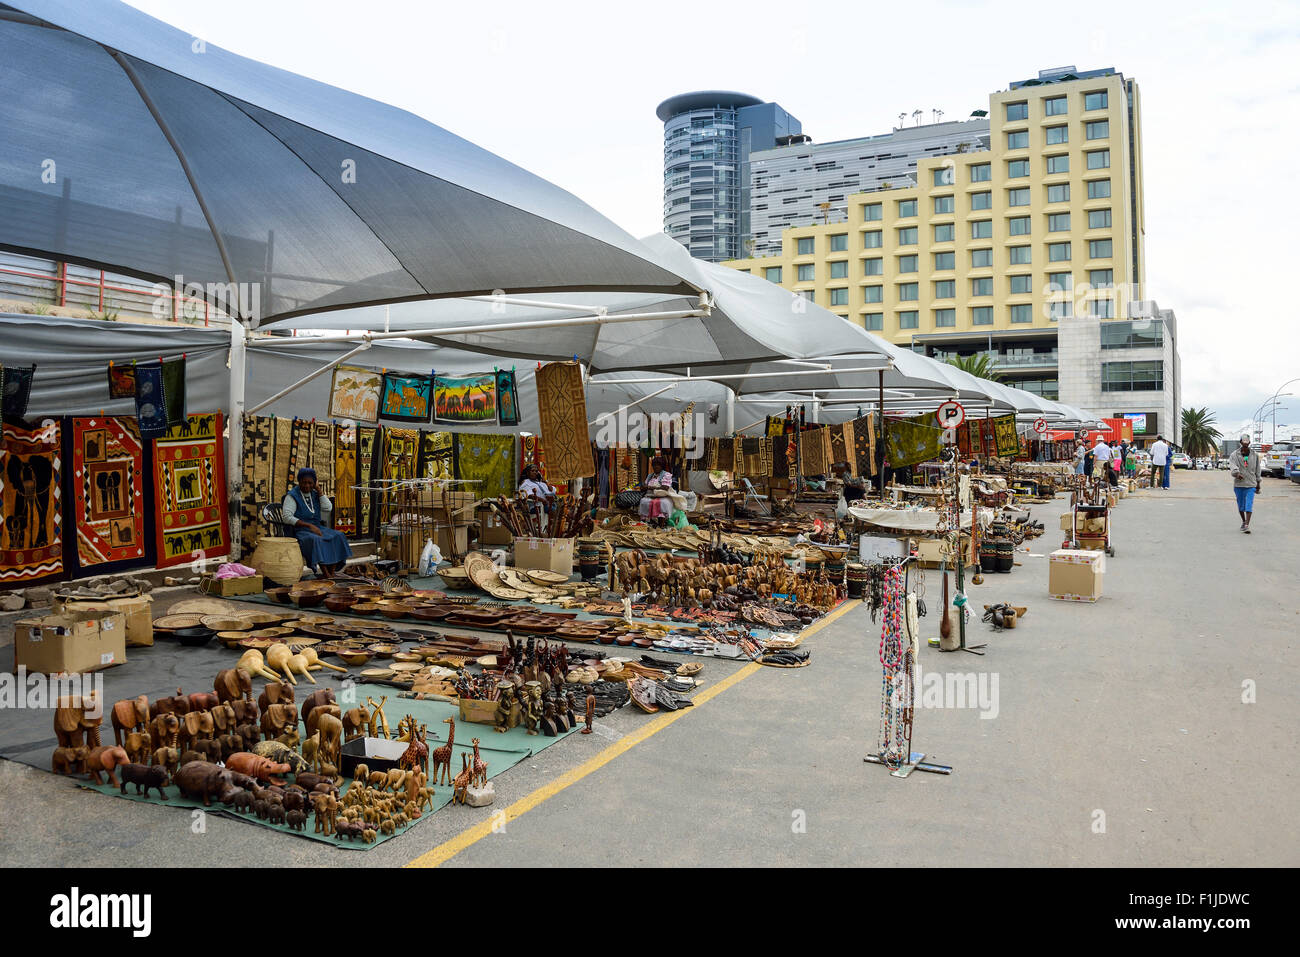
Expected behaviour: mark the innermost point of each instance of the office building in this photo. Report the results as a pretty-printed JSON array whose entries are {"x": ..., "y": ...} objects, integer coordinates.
[{"x": 708, "y": 139}]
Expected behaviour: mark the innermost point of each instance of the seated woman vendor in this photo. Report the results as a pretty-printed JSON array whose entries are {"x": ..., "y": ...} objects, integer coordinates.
[
  {"x": 308, "y": 513},
  {"x": 654, "y": 508},
  {"x": 532, "y": 485}
]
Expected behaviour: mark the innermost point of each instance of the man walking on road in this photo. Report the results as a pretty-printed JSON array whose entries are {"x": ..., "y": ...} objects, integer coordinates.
[
  {"x": 1101, "y": 461},
  {"x": 1159, "y": 461},
  {"x": 1245, "y": 467}
]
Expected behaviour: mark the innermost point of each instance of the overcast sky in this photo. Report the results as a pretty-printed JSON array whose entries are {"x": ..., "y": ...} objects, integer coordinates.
[{"x": 568, "y": 91}]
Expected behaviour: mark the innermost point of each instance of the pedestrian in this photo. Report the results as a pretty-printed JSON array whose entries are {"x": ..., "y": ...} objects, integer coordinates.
[
  {"x": 1245, "y": 466},
  {"x": 1080, "y": 456},
  {"x": 1169, "y": 470},
  {"x": 1159, "y": 461},
  {"x": 1101, "y": 461}
]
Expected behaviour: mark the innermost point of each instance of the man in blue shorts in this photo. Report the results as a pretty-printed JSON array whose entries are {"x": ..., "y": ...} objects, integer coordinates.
[{"x": 1245, "y": 467}]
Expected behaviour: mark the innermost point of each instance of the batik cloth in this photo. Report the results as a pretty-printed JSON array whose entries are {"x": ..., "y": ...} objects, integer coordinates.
[
  {"x": 121, "y": 381},
  {"x": 1005, "y": 438},
  {"x": 31, "y": 541},
  {"x": 190, "y": 492},
  {"x": 864, "y": 445},
  {"x": 407, "y": 398},
  {"x": 437, "y": 455},
  {"x": 401, "y": 453},
  {"x": 109, "y": 503},
  {"x": 470, "y": 399},
  {"x": 486, "y": 463},
  {"x": 531, "y": 453},
  {"x": 562, "y": 405},
  {"x": 368, "y": 441},
  {"x": 507, "y": 398},
  {"x": 354, "y": 394},
  {"x": 913, "y": 440},
  {"x": 345, "y": 477}
]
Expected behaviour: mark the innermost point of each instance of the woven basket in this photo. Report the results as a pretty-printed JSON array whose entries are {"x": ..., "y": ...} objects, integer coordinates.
[{"x": 278, "y": 559}]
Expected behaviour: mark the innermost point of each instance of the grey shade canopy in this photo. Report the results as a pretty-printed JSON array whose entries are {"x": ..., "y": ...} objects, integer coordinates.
[{"x": 129, "y": 145}]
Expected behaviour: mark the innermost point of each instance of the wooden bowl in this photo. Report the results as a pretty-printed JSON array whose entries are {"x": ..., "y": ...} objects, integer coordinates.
[
  {"x": 279, "y": 594},
  {"x": 231, "y": 639},
  {"x": 307, "y": 599},
  {"x": 365, "y": 608},
  {"x": 394, "y": 609},
  {"x": 340, "y": 602},
  {"x": 407, "y": 656},
  {"x": 354, "y": 656},
  {"x": 384, "y": 651}
]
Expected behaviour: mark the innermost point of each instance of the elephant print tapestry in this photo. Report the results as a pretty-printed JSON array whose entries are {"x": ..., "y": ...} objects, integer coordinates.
[
  {"x": 190, "y": 490},
  {"x": 30, "y": 477},
  {"x": 109, "y": 492},
  {"x": 465, "y": 399},
  {"x": 354, "y": 394},
  {"x": 406, "y": 397}
]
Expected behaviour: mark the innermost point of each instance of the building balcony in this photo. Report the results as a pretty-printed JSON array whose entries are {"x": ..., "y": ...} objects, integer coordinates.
[{"x": 1037, "y": 360}]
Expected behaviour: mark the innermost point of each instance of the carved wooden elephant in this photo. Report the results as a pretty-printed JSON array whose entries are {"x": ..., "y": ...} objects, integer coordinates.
[
  {"x": 67, "y": 760},
  {"x": 232, "y": 684},
  {"x": 137, "y": 746},
  {"x": 223, "y": 719},
  {"x": 355, "y": 722},
  {"x": 195, "y": 725},
  {"x": 277, "y": 692},
  {"x": 313, "y": 701},
  {"x": 164, "y": 729},
  {"x": 312, "y": 720},
  {"x": 129, "y": 714},
  {"x": 67, "y": 722},
  {"x": 330, "y": 729}
]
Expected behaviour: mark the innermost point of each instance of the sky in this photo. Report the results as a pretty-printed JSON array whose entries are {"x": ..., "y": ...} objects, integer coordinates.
[{"x": 568, "y": 91}]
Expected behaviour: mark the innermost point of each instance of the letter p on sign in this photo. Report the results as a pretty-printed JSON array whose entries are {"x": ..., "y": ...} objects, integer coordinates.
[{"x": 950, "y": 414}]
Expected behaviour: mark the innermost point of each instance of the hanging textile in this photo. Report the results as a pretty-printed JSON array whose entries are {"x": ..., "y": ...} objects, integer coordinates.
[
  {"x": 815, "y": 452},
  {"x": 775, "y": 425},
  {"x": 602, "y": 477},
  {"x": 780, "y": 462},
  {"x": 150, "y": 401},
  {"x": 407, "y": 398},
  {"x": 321, "y": 459},
  {"x": 256, "y": 468},
  {"x": 531, "y": 453},
  {"x": 15, "y": 390},
  {"x": 401, "y": 453},
  {"x": 468, "y": 399},
  {"x": 354, "y": 394},
  {"x": 121, "y": 381},
  {"x": 190, "y": 492},
  {"x": 562, "y": 405},
  {"x": 369, "y": 441},
  {"x": 108, "y": 487},
  {"x": 839, "y": 448},
  {"x": 437, "y": 455},
  {"x": 963, "y": 439},
  {"x": 30, "y": 477},
  {"x": 1005, "y": 439},
  {"x": 710, "y": 453},
  {"x": 345, "y": 477},
  {"x": 913, "y": 440},
  {"x": 299, "y": 451},
  {"x": 507, "y": 398},
  {"x": 988, "y": 435},
  {"x": 864, "y": 445},
  {"x": 487, "y": 463},
  {"x": 727, "y": 454}
]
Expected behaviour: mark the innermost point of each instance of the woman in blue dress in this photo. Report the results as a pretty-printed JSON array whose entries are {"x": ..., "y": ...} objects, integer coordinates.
[{"x": 309, "y": 513}]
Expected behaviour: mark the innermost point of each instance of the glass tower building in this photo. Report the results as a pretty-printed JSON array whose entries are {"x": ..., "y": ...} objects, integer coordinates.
[{"x": 708, "y": 137}]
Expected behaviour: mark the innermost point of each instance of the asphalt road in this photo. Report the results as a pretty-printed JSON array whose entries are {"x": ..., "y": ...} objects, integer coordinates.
[{"x": 1153, "y": 728}]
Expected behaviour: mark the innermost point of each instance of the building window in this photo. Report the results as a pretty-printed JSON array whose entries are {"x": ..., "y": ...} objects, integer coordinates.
[
  {"x": 981, "y": 229},
  {"x": 1098, "y": 218},
  {"x": 1095, "y": 101},
  {"x": 1142, "y": 334},
  {"x": 872, "y": 212},
  {"x": 981, "y": 258},
  {"x": 1018, "y": 197},
  {"x": 908, "y": 320},
  {"x": 1022, "y": 313},
  {"x": 943, "y": 204},
  {"x": 943, "y": 233},
  {"x": 1060, "y": 310},
  {"x": 942, "y": 176},
  {"x": 840, "y": 269},
  {"x": 1099, "y": 249},
  {"x": 1022, "y": 284},
  {"x": 807, "y": 294},
  {"x": 806, "y": 272},
  {"x": 1098, "y": 188},
  {"x": 981, "y": 172},
  {"x": 982, "y": 200},
  {"x": 944, "y": 318},
  {"x": 1020, "y": 255},
  {"x": 1060, "y": 193},
  {"x": 1059, "y": 282},
  {"x": 1102, "y": 308},
  {"x": 1101, "y": 278},
  {"x": 1097, "y": 129},
  {"x": 981, "y": 287},
  {"x": 839, "y": 242},
  {"x": 1017, "y": 111},
  {"x": 1018, "y": 226},
  {"x": 945, "y": 289},
  {"x": 907, "y": 263},
  {"x": 1056, "y": 106},
  {"x": 1058, "y": 252},
  {"x": 839, "y": 297},
  {"x": 1132, "y": 376},
  {"x": 872, "y": 239},
  {"x": 773, "y": 274},
  {"x": 908, "y": 292},
  {"x": 907, "y": 236},
  {"x": 906, "y": 207},
  {"x": 1058, "y": 164},
  {"x": 874, "y": 321},
  {"x": 873, "y": 294},
  {"x": 1098, "y": 159},
  {"x": 945, "y": 261},
  {"x": 804, "y": 247},
  {"x": 1056, "y": 135},
  {"x": 1058, "y": 222},
  {"x": 1017, "y": 169},
  {"x": 1019, "y": 140},
  {"x": 873, "y": 267},
  {"x": 981, "y": 316}
]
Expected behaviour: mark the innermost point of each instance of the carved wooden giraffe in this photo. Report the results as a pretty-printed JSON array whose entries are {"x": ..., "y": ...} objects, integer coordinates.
[
  {"x": 463, "y": 780},
  {"x": 480, "y": 768},
  {"x": 416, "y": 755},
  {"x": 442, "y": 755}
]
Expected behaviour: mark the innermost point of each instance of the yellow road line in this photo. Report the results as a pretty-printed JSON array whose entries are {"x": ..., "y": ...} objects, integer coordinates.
[{"x": 471, "y": 835}]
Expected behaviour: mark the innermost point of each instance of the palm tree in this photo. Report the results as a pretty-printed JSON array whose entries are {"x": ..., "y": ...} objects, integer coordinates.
[
  {"x": 980, "y": 365},
  {"x": 1200, "y": 437}
]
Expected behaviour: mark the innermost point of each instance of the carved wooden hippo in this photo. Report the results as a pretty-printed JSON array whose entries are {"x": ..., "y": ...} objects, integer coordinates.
[
  {"x": 145, "y": 777},
  {"x": 254, "y": 765},
  {"x": 207, "y": 781}
]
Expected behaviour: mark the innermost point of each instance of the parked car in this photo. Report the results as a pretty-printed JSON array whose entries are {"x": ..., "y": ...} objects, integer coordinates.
[
  {"x": 1273, "y": 462},
  {"x": 1223, "y": 463},
  {"x": 1293, "y": 467},
  {"x": 1182, "y": 460}
]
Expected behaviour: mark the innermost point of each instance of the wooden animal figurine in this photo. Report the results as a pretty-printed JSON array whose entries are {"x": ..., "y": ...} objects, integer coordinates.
[
  {"x": 68, "y": 760},
  {"x": 505, "y": 706},
  {"x": 462, "y": 781},
  {"x": 330, "y": 729},
  {"x": 195, "y": 725},
  {"x": 145, "y": 778},
  {"x": 67, "y": 722},
  {"x": 188, "y": 757},
  {"x": 314, "y": 662},
  {"x": 281, "y": 754},
  {"x": 233, "y": 684},
  {"x": 591, "y": 713},
  {"x": 280, "y": 721},
  {"x": 249, "y": 732},
  {"x": 416, "y": 755},
  {"x": 355, "y": 722},
  {"x": 230, "y": 743},
  {"x": 201, "y": 780},
  {"x": 480, "y": 767},
  {"x": 138, "y": 746},
  {"x": 177, "y": 705},
  {"x": 314, "y": 700},
  {"x": 326, "y": 808},
  {"x": 256, "y": 766},
  {"x": 223, "y": 719},
  {"x": 442, "y": 756},
  {"x": 311, "y": 751},
  {"x": 297, "y": 820},
  {"x": 275, "y": 692},
  {"x": 378, "y": 720},
  {"x": 167, "y": 727},
  {"x": 312, "y": 719},
  {"x": 201, "y": 700},
  {"x": 129, "y": 714}
]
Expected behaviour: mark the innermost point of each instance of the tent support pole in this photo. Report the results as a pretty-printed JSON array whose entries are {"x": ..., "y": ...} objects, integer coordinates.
[
  {"x": 631, "y": 405},
  {"x": 235, "y": 429},
  {"x": 731, "y": 412},
  {"x": 308, "y": 378},
  {"x": 881, "y": 457}
]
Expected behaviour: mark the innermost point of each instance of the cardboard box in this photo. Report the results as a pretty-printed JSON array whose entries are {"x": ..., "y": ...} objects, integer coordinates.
[
  {"x": 446, "y": 536},
  {"x": 226, "y": 587},
  {"x": 550, "y": 554},
  {"x": 490, "y": 529},
  {"x": 135, "y": 609},
  {"x": 485, "y": 712},
  {"x": 1075, "y": 574},
  {"x": 75, "y": 642}
]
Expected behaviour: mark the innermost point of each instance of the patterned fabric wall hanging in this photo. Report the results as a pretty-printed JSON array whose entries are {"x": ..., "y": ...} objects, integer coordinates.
[
  {"x": 401, "y": 453},
  {"x": 562, "y": 405},
  {"x": 864, "y": 445},
  {"x": 1005, "y": 437},
  {"x": 190, "y": 491},
  {"x": 913, "y": 440},
  {"x": 31, "y": 464},
  {"x": 407, "y": 398},
  {"x": 727, "y": 454},
  {"x": 780, "y": 462},
  {"x": 15, "y": 390},
  {"x": 487, "y": 463},
  {"x": 814, "y": 451},
  {"x": 108, "y": 493},
  {"x": 839, "y": 449},
  {"x": 282, "y": 465},
  {"x": 710, "y": 453},
  {"x": 151, "y": 401},
  {"x": 507, "y": 398},
  {"x": 299, "y": 453},
  {"x": 438, "y": 455},
  {"x": 369, "y": 442},
  {"x": 322, "y": 459},
  {"x": 121, "y": 381},
  {"x": 988, "y": 434},
  {"x": 354, "y": 394},
  {"x": 257, "y": 467},
  {"x": 470, "y": 399},
  {"x": 963, "y": 440},
  {"x": 775, "y": 425},
  {"x": 345, "y": 477}
]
